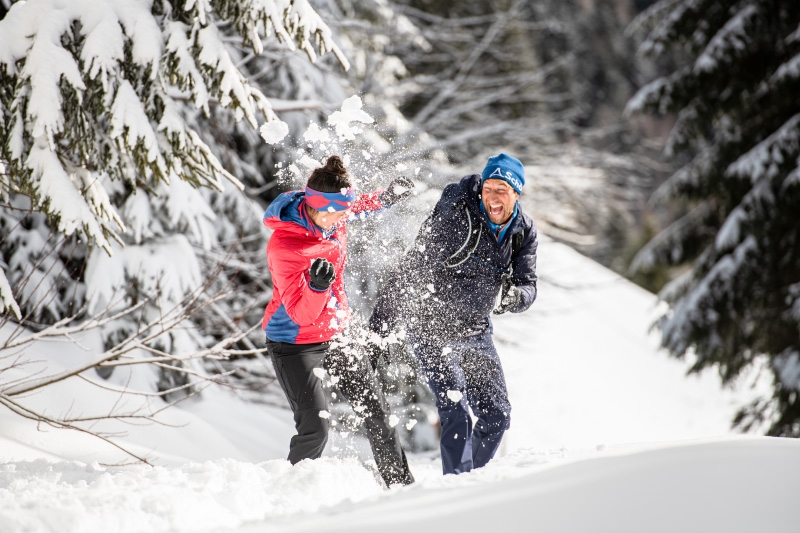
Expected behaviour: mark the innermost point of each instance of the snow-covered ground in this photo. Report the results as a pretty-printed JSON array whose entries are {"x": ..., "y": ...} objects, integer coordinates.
[{"x": 608, "y": 434}]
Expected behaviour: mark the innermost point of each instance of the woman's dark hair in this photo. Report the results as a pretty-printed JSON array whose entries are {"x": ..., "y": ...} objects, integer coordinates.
[{"x": 333, "y": 177}]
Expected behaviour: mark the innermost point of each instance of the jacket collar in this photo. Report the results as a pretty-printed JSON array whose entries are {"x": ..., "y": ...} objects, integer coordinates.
[{"x": 287, "y": 212}]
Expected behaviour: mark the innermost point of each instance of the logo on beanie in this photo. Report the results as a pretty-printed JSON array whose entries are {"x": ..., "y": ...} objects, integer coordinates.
[{"x": 507, "y": 176}]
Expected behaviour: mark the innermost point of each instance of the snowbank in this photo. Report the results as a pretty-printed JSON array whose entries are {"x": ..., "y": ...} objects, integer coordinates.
[{"x": 584, "y": 377}]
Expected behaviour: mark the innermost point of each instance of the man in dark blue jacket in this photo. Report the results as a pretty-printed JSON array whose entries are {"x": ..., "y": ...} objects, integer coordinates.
[{"x": 476, "y": 244}]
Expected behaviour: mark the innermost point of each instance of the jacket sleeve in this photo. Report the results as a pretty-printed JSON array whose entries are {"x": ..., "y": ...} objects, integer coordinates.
[
  {"x": 524, "y": 275},
  {"x": 366, "y": 205},
  {"x": 441, "y": 233},
  {"x": 432, "y": 246},
  {"x": 290, "y": 276}
]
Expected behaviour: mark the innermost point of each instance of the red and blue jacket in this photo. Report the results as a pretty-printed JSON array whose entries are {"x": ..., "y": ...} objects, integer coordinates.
[{"x": 297, "y": 313}]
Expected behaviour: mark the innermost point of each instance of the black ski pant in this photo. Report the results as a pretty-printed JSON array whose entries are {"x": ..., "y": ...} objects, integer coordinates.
[
  {"x": 294, "y": 365},
  {"x": 349, "y": 362}
]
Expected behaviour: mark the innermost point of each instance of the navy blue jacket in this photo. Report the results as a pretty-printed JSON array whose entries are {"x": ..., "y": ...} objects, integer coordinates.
[{"x": 453, "y": 273}]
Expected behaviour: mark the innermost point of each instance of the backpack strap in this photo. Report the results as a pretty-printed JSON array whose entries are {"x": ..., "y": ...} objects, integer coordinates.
[
  {"x": 516, "y": 242},
  {"x": 470, "y": 244}
]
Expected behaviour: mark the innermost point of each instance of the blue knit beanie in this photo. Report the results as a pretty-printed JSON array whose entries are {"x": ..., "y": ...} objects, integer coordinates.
[{"x": 506, "y": 168}]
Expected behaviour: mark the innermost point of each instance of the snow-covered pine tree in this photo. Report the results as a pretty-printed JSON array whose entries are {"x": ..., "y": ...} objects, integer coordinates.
[
  {"x": 105, "y": 112},
  {"x": 738, "y": 120}
]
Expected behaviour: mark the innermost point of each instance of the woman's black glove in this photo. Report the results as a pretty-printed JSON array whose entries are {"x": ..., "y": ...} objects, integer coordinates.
[
  {"x": 322, "y": 274},
  {"x": 398, "y": 190},
  {"x": 377, "y": 352}
]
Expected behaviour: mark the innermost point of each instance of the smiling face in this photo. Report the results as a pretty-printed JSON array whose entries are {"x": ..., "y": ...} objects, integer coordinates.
[
  {"x": 498, "y": 199},
  {"x": 325, "y": 219}
]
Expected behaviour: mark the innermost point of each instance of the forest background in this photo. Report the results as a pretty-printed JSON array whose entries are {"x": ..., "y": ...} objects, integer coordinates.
[{"x": 660, "y": 139}]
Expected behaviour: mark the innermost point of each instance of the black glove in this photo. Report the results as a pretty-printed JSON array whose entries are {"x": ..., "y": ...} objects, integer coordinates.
[
  {"x": 322, "y": 274},
  {"x": 510, "y": 297},
  {"x": 398, "y": 190},
  {"x": 376, "y": 353}
]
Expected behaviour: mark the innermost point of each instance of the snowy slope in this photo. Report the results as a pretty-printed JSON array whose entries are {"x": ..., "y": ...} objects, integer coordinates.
[
  {"x": 714, "y": 486},
  {"x": 583, "y": 371},
  {"x": 584, "y": 378}
]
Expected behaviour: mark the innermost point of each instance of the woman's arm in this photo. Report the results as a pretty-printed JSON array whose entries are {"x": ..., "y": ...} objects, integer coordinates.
[
  {"x": 367, "y": 204},
  {"x": 290, "y": 276},
  {"x": 398, "y": 190}
]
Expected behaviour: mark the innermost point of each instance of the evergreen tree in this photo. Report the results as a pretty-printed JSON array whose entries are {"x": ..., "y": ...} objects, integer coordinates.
[
  {"x": 111, "y": 113},
  {"x": 738, "y": 122}
]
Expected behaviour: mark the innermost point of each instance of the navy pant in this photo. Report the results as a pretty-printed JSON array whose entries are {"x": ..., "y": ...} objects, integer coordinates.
[{"x": 464, "y": 372}]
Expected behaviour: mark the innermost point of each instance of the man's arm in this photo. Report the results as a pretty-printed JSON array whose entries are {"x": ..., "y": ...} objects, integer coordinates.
[
  {"x": 433, "y": 245},
  {"x": 440, "y": 234},
  {"x": 524, "y": 276}
]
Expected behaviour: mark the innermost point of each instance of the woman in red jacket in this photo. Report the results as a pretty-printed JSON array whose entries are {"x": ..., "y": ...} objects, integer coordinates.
[{"x": 306, "y": 256}]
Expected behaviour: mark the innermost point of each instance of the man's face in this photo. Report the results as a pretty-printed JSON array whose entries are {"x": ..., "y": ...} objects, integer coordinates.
[{"x": 498, "y": 200}]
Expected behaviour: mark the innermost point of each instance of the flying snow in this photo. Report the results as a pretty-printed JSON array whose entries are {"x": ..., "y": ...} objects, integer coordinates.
[
  {"x": 454, "y": 395},
  {"x": 351, "y": 112},
  {"x": 274, "y": 131}
]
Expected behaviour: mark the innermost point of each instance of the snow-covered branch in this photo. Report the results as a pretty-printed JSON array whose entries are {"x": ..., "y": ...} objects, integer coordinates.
[{"x": 87, "y": 99}]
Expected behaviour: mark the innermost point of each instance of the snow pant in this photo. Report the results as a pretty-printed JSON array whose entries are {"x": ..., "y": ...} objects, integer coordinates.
[
  {"x": 464, "y": 372},
  {"x": 294, "y": 365}
]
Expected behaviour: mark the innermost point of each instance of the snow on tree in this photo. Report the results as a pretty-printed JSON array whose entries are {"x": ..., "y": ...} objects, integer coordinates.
[
  {"x": 738, "y": 121},
  {"x": 118, "y": 192},
  {"x": 91, "y": 99}
]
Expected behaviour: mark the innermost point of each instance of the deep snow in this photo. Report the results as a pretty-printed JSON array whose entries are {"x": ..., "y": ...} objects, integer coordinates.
[{"x": 607, "y": 435}]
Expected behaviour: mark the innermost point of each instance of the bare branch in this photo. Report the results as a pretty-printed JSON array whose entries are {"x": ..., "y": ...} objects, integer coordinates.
[{"x": 23, "y": 411}]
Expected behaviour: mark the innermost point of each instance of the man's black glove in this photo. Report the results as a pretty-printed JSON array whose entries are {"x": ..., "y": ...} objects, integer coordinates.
[
  {"x": 322, "y": 274},
  {"x": 398, "y": 190},
  {"x": 509, "y": 298}
]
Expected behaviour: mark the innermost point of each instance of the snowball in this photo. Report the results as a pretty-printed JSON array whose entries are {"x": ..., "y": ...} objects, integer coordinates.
[
  {"x": 319, "y": 372},
  {"x": 410, "y": 424},
  {"x": 350, "y": 112},
  {"x": 454, "y": 395},
  {"x": 393, "y": 420},
  {"x": 274, "y": 131},
  {"x": 316, "y": 134},
  {"x": 309, "y": 162},
  {"x": 324, "y": 414}
]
